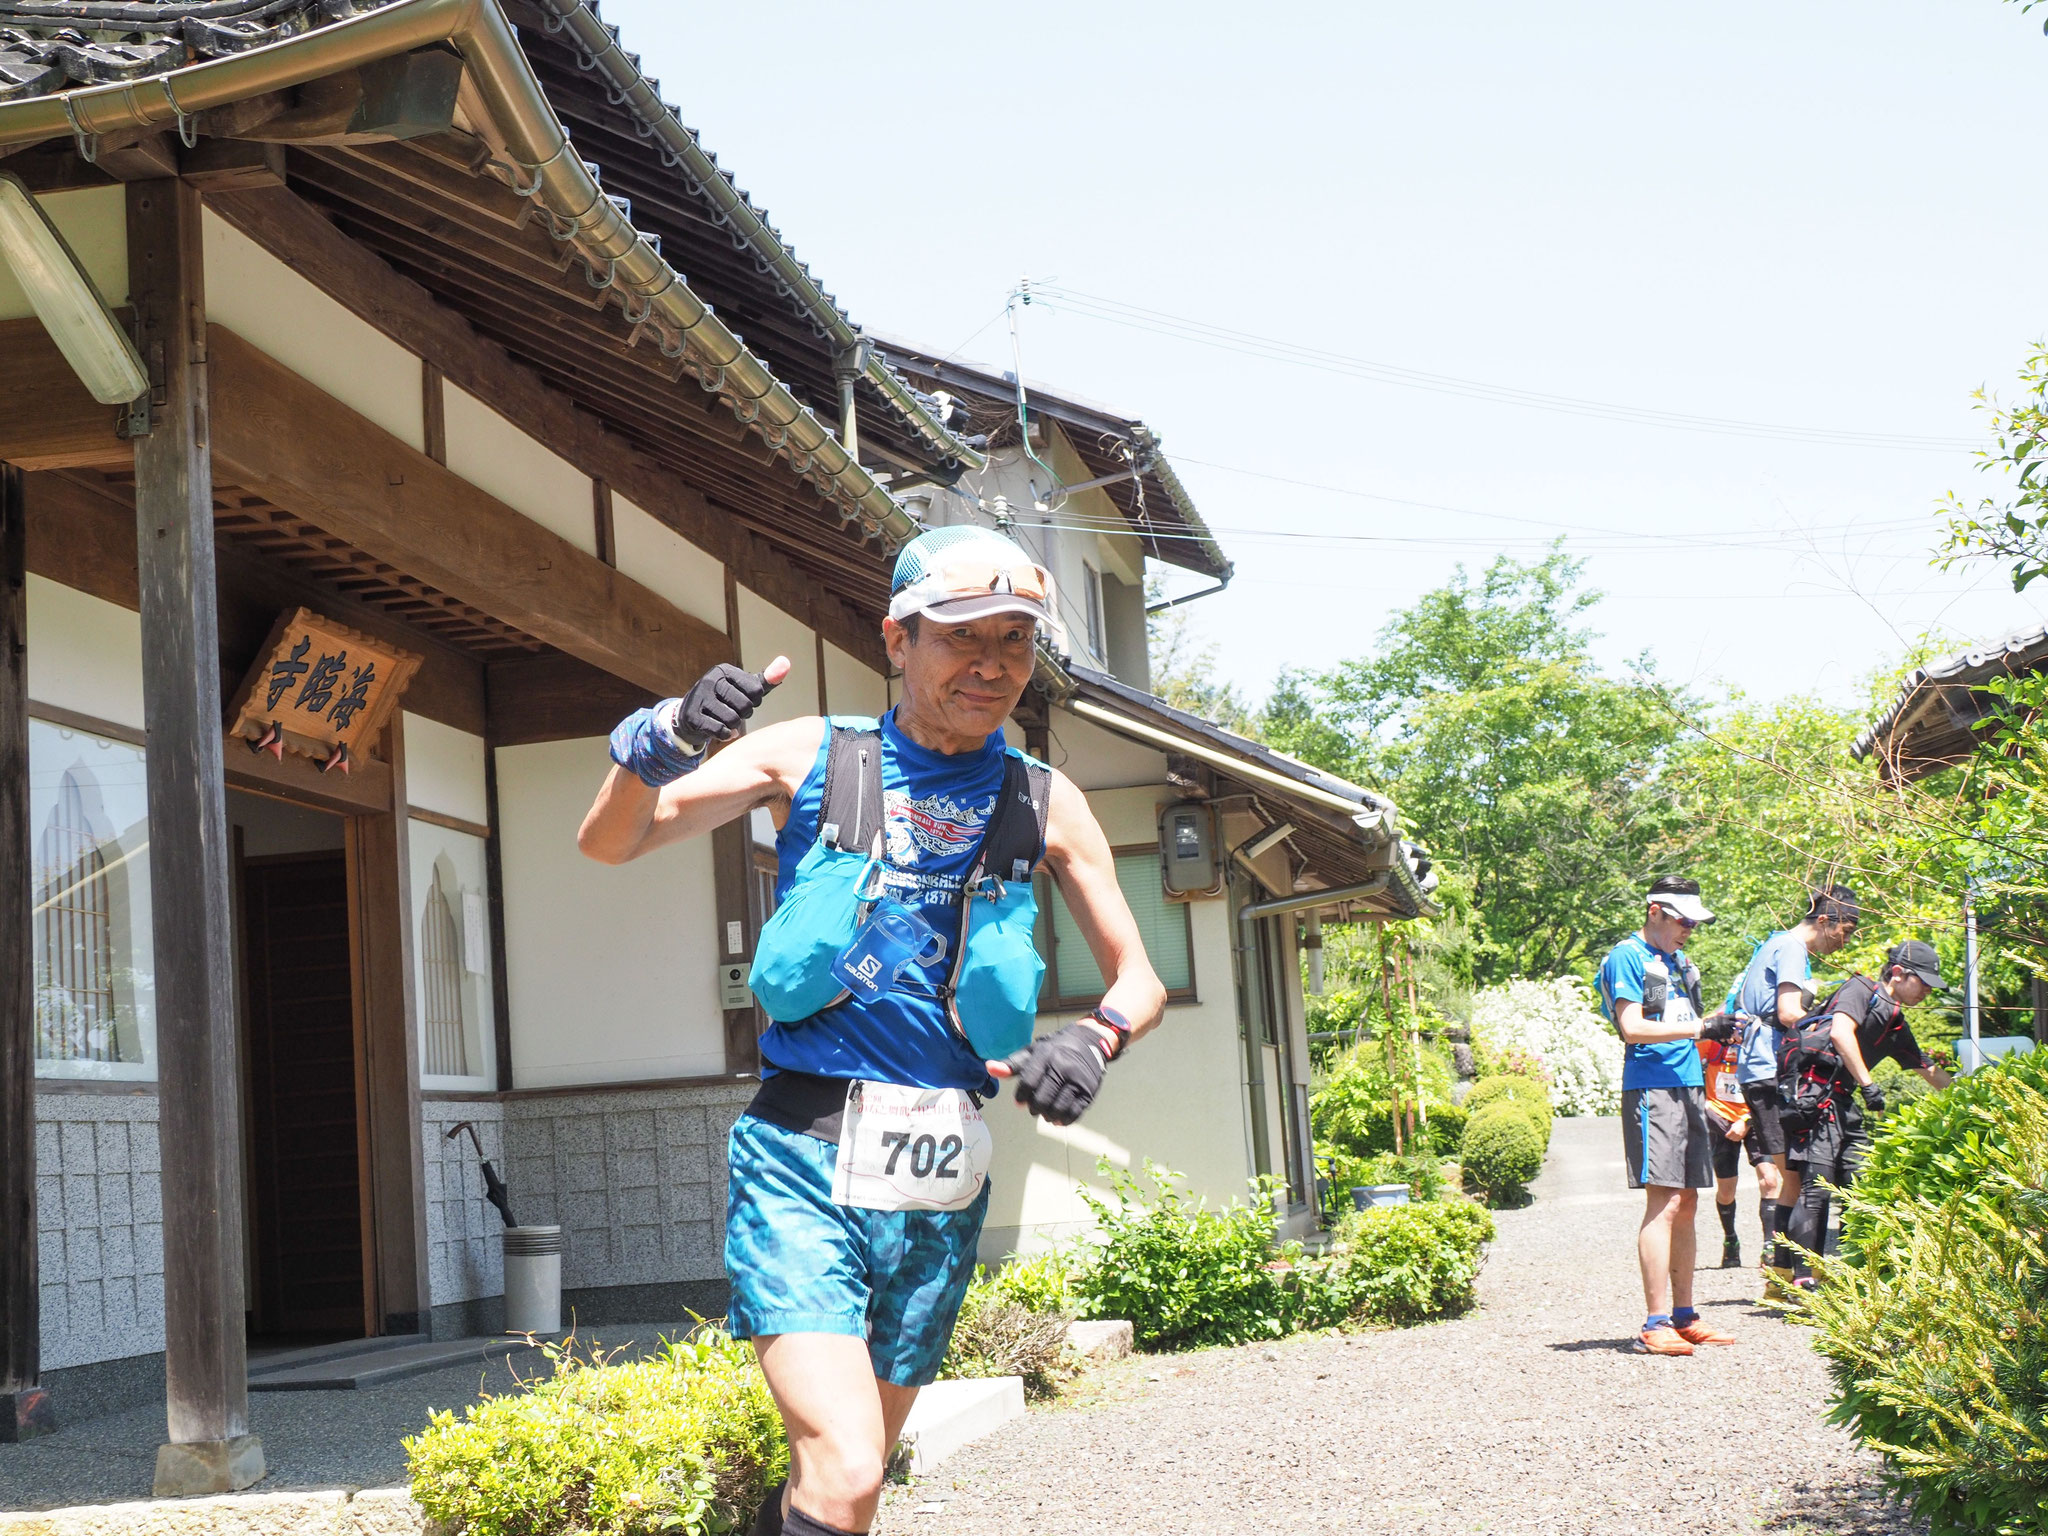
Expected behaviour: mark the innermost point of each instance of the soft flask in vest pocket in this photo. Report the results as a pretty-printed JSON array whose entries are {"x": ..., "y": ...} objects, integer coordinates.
[
  {"x": 995, "y": 991},
  {"x": 792, "y": 974}
]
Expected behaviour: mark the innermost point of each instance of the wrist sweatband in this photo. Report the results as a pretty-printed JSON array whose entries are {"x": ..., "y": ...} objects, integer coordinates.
[{"x": 645, "y": 745}]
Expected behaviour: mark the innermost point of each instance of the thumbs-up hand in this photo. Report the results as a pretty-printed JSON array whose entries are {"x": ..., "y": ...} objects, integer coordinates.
[{"x": 719, "y": 703}]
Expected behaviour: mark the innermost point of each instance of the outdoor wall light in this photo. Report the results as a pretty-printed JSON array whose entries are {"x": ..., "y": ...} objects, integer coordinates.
[{"x": 65, "y": 299}]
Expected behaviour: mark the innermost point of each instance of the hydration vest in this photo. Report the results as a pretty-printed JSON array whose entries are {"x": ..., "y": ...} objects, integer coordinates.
[
  {"x": 990, "y": 994},
  {"x": 1810, "y": 1072},
  {"x": 1657, "y": 987}
]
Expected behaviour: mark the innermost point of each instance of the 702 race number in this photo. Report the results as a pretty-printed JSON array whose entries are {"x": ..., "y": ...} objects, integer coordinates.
[{"x": 929, "y": 1156}]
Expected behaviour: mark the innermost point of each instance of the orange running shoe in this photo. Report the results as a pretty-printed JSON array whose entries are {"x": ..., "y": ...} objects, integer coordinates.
[
  {"x": 1662, "y": 1341},
  {"x": 1700, "y": 1332}
]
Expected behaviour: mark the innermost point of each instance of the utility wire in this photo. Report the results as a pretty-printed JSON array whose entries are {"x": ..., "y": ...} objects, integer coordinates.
[{"x": 1271, "y": 349}]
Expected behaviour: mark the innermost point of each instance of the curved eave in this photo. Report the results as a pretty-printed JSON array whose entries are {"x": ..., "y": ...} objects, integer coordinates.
[
  {"x": 542, "y": 163},
  {"x": 599, "y": 43}
]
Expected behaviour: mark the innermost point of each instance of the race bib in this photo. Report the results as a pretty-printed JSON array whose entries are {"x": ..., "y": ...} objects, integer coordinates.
[
  {"x": 910, "y": 1149},
  {"x": 1726, "y": 1088}
]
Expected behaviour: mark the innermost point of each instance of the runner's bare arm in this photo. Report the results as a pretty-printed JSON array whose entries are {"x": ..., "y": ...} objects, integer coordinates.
[
  {"x": 1082, "y": 867},
  {"x": 1634, "y": 1029},
  {"x": 1791, "y": 1005},
  {"x": 761, "y": 768}
]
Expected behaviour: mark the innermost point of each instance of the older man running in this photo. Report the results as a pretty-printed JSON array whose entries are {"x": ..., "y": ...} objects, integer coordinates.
[{"x": 900, "y": 972}]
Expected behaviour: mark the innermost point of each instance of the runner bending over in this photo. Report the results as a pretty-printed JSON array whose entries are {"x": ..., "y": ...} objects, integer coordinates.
[{"x": 900, "y": 970}]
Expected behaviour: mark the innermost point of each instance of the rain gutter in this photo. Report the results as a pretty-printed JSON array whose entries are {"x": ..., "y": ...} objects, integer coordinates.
[
  {"x": 547, "y": 169},
  {"x": 599, "y": 45}
]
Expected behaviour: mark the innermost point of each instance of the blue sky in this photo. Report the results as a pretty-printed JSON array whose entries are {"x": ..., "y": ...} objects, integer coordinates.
[{"x": 1818, "y": 216}]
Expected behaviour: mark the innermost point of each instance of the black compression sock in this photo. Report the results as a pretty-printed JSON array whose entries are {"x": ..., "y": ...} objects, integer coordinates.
[
  {"x": 1764, "y": 1209},
  {"x": 1781, "y": 1254},
  {"x": 1727, "y": 1215},
  {"x": 797, "y": 1523}
]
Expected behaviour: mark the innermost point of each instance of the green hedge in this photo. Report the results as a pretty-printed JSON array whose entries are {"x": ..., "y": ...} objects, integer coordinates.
[
  {"x": 1504, "y": 1147},
  {"x": 1932, "y": 1318},
  {"x": 1408, "y": 1263},
  {"x": 685, "y": 1442},
  {"x": 1526, "y": 1091}
]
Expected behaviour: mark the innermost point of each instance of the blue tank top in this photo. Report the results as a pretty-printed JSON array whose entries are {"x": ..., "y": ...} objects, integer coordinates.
[{"x": 934, "y": 810}]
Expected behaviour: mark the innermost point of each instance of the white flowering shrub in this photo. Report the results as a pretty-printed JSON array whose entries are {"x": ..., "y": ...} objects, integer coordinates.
[{"x": 1559, "y": 1023}]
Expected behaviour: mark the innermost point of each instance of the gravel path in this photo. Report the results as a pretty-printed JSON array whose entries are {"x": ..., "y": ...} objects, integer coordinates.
[{"x": 1529, "y": 1415}]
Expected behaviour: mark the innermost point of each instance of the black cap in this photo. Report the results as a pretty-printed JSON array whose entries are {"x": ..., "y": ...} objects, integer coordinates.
[{"x": 1916, "y": 957}]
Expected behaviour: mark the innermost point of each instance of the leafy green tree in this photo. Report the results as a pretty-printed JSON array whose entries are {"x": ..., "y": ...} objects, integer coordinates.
[
  {"x": 1184, "y": 670},
  {"x": 1509, "y": 751}
]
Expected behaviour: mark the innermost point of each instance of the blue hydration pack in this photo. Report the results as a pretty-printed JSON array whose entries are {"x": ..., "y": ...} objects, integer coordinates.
[{"x": 991, "y": 990}]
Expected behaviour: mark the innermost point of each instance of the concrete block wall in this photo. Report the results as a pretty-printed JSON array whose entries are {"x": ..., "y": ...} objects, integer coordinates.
[
  {"x": 465, "y": 1260},
  {"x": 99, "y": 1227},
  {"x": 636, "y": 1179}
]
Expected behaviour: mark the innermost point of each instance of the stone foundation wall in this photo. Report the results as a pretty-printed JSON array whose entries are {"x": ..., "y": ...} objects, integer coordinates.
[{"x": 99, "y": 1227}]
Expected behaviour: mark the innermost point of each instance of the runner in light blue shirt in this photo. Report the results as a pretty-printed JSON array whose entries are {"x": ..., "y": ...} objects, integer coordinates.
[{"x": 1775, "y": 994}]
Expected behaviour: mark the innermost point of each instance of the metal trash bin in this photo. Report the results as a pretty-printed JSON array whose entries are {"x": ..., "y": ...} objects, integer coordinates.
[{"x": 533, "y": 1279}]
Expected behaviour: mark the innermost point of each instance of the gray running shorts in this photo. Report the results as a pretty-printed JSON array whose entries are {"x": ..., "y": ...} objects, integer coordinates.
[{"x": 1666, "y": 1138}]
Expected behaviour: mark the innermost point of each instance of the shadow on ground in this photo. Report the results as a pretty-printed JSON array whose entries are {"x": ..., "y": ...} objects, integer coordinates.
[{"x": 1840, "y": 1509}]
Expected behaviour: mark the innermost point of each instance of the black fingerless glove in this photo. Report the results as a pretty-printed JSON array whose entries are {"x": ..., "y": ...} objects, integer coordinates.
[
  {"x": 1873, "y": 1098},
  {"x": 1059, "y": 1075},
  {"x": 1719, "y": 1028},
  {"x": 717, "y": 705}
]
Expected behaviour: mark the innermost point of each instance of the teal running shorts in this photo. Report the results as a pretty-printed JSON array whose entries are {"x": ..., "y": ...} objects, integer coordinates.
[{"x": 798, "y": 1263}]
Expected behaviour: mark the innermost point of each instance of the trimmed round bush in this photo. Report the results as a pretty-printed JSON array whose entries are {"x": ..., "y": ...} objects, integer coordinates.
[
  {"x": 1503, "y": 1148},
  {"x": 1518, "y": 1090}
]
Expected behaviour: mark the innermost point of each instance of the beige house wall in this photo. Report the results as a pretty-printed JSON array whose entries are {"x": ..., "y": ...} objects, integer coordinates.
[
  {"x": 84, "y": 653},
  {"x": 94, "y": 223}
]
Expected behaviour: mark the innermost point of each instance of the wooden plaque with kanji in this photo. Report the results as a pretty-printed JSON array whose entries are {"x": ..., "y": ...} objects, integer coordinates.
[{"x": 319, "y": 689}]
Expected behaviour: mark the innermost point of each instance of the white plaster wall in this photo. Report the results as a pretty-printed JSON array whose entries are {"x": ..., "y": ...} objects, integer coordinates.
[
  {"x": 495, "y": 456},
  {"x": 610, "y": 969},
  {"x": 767, "y": 632},
  {"x": 84, "y": 653},
  {"x": 852, "y": 687},
  {"x": 444, "y": 770},
  {"x": 271, "y": 307},
  {"x": 94, "y": 223},
  {"x": 1177, "y": 1099},
  {"x": 1095, "y": 758},
  {"x": 666, "y": 563}
]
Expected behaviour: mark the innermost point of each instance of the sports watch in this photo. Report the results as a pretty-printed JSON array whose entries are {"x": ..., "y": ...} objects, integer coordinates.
[{"x": 1107, "y": 1016}]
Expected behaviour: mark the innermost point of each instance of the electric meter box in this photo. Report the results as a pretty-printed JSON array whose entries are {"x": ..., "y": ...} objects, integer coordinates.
[{"x": 1188, "y": 862}]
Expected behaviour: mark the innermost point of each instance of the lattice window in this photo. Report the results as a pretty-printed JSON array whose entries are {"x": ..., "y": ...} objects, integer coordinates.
[
  {"x": 445, "y": 1048},
  {"x": 74, "y": 942}
]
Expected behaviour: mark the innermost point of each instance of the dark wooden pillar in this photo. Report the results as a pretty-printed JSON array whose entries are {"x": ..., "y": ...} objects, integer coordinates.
[
  {"x": 732, "y": 878},
  {"x": 24, "y": 1409},
  {"x": 210, "y": 1449},
  {"x": 381, "y": 857}
]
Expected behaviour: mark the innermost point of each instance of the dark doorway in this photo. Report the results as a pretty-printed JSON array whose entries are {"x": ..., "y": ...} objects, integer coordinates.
[{"x": 305, "y": 1146}]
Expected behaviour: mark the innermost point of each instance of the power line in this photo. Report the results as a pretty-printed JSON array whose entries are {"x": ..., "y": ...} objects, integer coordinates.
[{"x": 1272, "y": 349}]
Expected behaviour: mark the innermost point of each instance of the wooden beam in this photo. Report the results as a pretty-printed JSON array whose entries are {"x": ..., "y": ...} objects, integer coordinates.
[
  {"x": 24, "y": 1407},
  {"x": 199, "y": 1101},
  {"x": 434, "y": 414},
  {"x": 232, "y": 165},
  {"x": 557, "y": 698},
  {"x": 379, "y": 852},
  {"x": 357, "y": 481},
  {"x": 293, "y": 231},
  {"x": 732, "y": 879},
  {"x": 47, "y": 419},
  {"x": 605, "y": 527},
  {"x": 494, "y": 886},
  {"x": 149, "y": 157},
  {"x": 365, "y": 789},
  {"x": 83, "y": 536}
]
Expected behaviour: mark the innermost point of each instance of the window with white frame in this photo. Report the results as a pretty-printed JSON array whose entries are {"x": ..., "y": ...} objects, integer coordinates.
[
  {"x": 1092, "y": 582},
  {"x": 452, "y": 957},
  {"x": 94, "y": 968}
]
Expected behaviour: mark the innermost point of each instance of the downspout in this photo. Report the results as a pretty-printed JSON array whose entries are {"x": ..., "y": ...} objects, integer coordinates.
[
  {"x": 546, "y": 169},
  {"x": 1248, "y": 914},
  {"x": 1189, "y": 597},
  {"x": 599, "y": 44}
]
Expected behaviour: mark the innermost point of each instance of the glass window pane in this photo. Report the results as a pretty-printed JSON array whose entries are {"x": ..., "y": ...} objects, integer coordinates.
[
  {"x": 1162, "y": 924},
  {"x": 451, "y": 950},
  {"x": 95, "y": 984}
]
